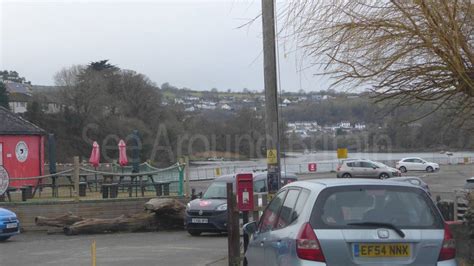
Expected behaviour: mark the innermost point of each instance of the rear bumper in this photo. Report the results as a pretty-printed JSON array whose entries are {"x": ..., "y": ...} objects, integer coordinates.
[
  {"x": 315, "y": 263},
  {"x": 447, "y": 263}
]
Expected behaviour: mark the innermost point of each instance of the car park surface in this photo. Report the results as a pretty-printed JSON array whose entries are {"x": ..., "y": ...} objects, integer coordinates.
[
  {"x": 351, "y": 222},
  {"x": 121, "y": 249}
]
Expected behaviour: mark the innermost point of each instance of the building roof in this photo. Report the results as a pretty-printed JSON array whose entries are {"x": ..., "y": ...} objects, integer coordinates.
[
  {"x": 12, "y": 124},
  {"x": 14, "y": 87}
]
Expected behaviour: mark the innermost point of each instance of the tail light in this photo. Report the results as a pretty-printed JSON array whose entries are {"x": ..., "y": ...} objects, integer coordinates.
[
  {"x": 338, "y": 167},
  {"x": 307, "y": 245},
  {"x": 448, "y": 249}
]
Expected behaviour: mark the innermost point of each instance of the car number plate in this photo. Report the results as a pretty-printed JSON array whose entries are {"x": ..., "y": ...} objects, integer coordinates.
[
  {"x": 199, "y": 220},
  {"x": 12, "y": 225},
  {"x": 382, "y": 250}
]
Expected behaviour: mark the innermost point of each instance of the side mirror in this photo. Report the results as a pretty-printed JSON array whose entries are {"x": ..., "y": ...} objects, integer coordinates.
[{"x": 250, "y": 228}]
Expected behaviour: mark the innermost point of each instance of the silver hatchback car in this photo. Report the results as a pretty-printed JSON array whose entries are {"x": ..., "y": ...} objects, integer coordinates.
[
  {"x": 362, "y": 168},
  {"x": 350, "y": 222}
]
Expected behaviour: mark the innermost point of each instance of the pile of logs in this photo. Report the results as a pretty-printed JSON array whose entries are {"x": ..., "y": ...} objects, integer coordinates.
[{"x": 159, "y": 214}]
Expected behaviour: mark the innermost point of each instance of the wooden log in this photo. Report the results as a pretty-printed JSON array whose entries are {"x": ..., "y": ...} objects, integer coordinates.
[
  {"x": 60, "y": 221},
  {"x": 170, "y": 213},
  {"x": 134, "y": 223},
  {"x": 163, "y": 205}
]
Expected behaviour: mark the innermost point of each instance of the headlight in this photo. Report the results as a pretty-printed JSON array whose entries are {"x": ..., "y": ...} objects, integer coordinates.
[
  {"x": 188, "y": 206},
  {"x": 222, "y": 207}
]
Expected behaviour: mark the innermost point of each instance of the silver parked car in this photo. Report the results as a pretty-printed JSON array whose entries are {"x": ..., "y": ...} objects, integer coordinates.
[
  {"x": 362, "y": 168},
  {"x": 350, "y": 222}
]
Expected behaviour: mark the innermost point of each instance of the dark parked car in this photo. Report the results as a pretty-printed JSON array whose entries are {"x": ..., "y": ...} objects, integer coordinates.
[
  {"x": 414, "y": 180},
  {"x": 209, "y": 213},
  {"x": 9, "y": 224}
]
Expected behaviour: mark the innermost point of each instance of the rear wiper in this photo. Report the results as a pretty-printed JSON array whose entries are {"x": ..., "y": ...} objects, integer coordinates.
[{"x": 376, "y": 224}]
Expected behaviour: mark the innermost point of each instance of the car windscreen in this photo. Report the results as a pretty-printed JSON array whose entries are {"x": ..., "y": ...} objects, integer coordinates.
[
  {"x": 217, "y": 190},
  {"x": 403, "y": 207}
]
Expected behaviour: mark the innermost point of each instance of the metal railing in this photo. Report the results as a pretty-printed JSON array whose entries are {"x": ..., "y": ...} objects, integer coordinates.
[{"x": 206, "y": 173}]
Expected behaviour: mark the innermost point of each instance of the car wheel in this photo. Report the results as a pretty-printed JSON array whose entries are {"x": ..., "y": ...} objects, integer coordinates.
[
  {"x": 194, "y": 232},
  {"x": 4, "y": 238},
  {"x": 429, "y": 169},
  {"x": 346, "y": 175},
  {"x": 384, "y": 176},
  {"x": 403, "y": 169}
]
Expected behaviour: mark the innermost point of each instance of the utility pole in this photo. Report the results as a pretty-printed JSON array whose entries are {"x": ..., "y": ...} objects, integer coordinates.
[{"x": 271, "y": 99}]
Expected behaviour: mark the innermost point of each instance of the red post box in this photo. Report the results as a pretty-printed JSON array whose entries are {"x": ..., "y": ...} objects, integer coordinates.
[
  {"x": 245, "y": 192},
  {"x": 312, "y": 167}
]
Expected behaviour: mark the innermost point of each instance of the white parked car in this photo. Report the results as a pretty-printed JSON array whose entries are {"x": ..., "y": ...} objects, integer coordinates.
[{"x": 416, "y": 164}]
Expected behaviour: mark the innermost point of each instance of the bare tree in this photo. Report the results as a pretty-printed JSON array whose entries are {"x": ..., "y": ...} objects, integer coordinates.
[{"x": 411, "y": 52}]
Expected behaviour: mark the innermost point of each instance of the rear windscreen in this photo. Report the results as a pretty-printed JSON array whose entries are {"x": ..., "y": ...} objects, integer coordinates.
[{"x": 404, "y": 207}]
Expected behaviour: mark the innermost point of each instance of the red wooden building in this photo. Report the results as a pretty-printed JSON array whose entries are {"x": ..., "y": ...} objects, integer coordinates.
[{"x": 21, "y": 148}]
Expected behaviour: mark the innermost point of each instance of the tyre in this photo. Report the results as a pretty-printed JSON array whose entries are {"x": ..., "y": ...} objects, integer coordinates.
[
  {"x": 403, "y": 169},
  {"x": 194, "y": 232},
  {"x": 346, "y": 175},
  {"x": 384, "y": 176},
  {"x": 429, "y": 169},
  {"x": 4, "y": 238}
]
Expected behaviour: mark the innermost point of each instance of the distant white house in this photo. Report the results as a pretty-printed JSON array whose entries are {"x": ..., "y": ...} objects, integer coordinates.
[
  {"x": 344, "y": 125},
  {"x": 190, "y": 109},
  {"x": 226, "y": 107},
  {"x": 19, "y": 95},
  {"x": 359, "y": 126},
  {"x": 178, "y": 101},
  {"x": 192, "y": 98},
  {"x": 303, "y": 128},
  {"x": 205, "y": 106}
]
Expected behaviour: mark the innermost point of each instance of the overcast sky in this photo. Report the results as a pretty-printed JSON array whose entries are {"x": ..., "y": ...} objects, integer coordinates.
[{"x": 195, "y": 44}]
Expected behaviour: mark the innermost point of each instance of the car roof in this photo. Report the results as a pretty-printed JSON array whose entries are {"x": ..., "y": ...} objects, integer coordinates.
[
  {"x": 410, "y": 158},
  {"x": 405, "y": 178},
  {"x": 339, "y": 182}
]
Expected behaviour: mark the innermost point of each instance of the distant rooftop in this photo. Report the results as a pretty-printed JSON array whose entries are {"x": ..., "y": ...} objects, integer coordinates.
[
  {"x": 13, "y": 87},
  {"x": 12, "y": 124}
]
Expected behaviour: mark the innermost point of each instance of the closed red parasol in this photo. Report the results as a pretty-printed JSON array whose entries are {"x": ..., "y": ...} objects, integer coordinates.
[
  {"x": 94, "y": 160},
  {"x": 123, "y": 161}
]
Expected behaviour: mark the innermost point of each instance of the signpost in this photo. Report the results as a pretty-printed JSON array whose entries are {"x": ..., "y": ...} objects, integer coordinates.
[
  {"x": 233, "y": 232},
  {"x": 342, "y": 153},
  {"x": 312, "y": 167},
  {"x": 4, "y": 180}
]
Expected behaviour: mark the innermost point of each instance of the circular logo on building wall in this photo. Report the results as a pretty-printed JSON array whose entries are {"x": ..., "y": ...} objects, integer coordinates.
[
  {"x": 21, "y": 151},
  {"x": 4, "y": 180}
]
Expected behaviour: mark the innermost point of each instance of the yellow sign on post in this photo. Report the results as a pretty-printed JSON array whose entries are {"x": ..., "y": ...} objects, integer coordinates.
[
  {"x": 272, "y": 156},
  {"x": 342, "y": 153}
]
